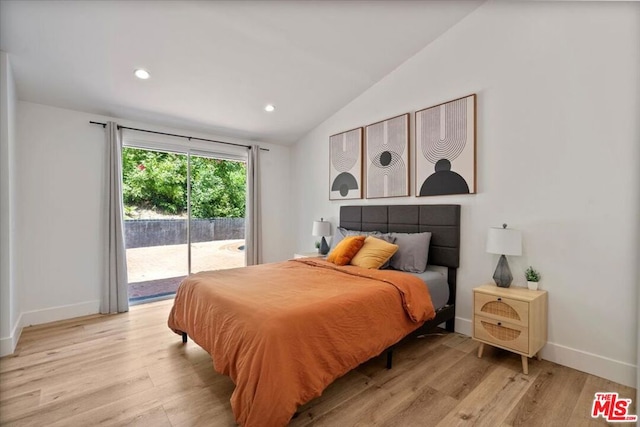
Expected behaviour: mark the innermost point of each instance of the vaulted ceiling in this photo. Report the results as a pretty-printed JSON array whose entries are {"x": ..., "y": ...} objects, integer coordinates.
[{"x": 215, "y": 64}]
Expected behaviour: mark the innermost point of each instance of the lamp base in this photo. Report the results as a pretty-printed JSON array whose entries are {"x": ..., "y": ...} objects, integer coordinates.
[
  {"x": 502, "y": 275},
  {"x": 324, "y": 248}
]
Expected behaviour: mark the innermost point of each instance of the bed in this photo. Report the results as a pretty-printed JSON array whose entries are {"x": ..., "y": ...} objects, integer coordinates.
[{"x": 284, "y": 331}]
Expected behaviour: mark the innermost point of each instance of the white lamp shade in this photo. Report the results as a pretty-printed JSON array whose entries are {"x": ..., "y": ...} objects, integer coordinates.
[
  {"x": 321, "y": 228},
  {"x": 504, "y": 241}
]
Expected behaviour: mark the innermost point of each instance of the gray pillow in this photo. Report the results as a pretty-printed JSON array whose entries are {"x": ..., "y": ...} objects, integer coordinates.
[
  {"x": 341, "y": 233},
  {"x": 387, "y": 237},
  {"x": 413, "y": 251},
  {"x": 337, "y": 237}
]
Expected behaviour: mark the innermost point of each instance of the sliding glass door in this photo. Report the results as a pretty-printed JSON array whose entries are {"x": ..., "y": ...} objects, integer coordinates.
[{"x": 184, "y": 213}]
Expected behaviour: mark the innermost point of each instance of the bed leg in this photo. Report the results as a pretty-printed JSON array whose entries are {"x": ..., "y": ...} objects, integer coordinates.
[
  {"x": 450, "y": 325},
  {"x": 184, "y": 337},
  {"x": 389, "y": 358}
]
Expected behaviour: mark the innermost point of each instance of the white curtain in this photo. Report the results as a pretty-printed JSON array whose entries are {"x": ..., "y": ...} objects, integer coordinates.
[
  {"x": 253, "y": 218},
  {"x": 115, "y": 297}
]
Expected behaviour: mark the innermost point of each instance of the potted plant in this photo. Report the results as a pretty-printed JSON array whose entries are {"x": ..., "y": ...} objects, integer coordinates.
[
  {"x": 533, "y": 277},
  {"x": 318, "y": 246}
]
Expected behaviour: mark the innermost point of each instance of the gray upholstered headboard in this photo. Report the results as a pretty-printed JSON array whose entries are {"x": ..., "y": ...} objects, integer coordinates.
[{"x": 443, "y": 221}]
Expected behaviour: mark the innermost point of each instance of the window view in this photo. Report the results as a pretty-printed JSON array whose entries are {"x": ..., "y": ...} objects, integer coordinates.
[{"x": 175, "y": 226}]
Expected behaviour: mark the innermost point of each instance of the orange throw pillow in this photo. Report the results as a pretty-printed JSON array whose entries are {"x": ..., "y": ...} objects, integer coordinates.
[{"x": 345, "y": 250}]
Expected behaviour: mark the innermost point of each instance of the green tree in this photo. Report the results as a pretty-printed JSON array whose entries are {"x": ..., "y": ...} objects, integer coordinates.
[
  {"x": 217, "y": 188},
  {"x": 158, "y": 181}
]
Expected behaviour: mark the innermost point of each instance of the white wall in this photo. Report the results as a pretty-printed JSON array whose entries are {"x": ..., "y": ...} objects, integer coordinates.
[
  {"x": 9, "y": 300},
  {"x": 60, "y": 165},
  {"x": 557, "y": 157}
]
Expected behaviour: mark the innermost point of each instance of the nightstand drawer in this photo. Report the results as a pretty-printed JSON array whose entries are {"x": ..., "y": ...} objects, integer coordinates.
[
  {"x": 507, "y": 335},
  {"x": 502, "y": 309}
]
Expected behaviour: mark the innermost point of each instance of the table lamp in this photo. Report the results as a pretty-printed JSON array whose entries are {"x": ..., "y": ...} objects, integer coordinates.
[
  {"x": 504, "y": 241},
  {"x": 322, "y": 228}
]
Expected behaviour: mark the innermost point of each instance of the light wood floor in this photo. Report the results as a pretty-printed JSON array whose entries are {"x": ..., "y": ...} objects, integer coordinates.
[{"x": 130, "y": 369}]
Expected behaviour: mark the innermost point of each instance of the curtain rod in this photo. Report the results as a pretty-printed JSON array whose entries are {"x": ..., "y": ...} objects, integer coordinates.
[{"x": 104, "y": 125}]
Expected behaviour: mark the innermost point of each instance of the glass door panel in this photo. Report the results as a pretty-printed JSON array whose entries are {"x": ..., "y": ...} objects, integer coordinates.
[
  {"x": 155, "y": 220},
  {"x": 217, "y": 206}
]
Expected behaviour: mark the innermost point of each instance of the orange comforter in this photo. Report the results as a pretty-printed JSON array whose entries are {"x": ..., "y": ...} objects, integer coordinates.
[{"x": 283, "y": 332}]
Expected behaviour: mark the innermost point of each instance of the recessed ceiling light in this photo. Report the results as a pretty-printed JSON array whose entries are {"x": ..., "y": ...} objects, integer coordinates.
[
  {"x": 269, "y": 108},
  {"x": 142, "y": 74}
]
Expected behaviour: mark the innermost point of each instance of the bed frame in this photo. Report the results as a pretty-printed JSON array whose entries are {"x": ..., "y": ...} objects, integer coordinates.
[{"x": 443, "y": 221}]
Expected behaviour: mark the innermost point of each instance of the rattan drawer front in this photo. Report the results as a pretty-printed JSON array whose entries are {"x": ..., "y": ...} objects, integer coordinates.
[
  {"x": 510, "y": 336},
  {"x": 498, "y": 308}
]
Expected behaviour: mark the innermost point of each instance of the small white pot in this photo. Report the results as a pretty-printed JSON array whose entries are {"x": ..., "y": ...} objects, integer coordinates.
[{"x": 532, "y": 285}]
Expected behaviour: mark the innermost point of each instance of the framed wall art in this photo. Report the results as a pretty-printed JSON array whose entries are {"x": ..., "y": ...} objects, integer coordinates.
[
  {"x": 345, "y": 168},
  {"x": 446, "y": 148},
  {"x": 387, "y": 158}
]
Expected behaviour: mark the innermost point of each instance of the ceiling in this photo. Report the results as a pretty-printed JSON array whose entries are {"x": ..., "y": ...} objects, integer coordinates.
[{"x": 215, "y": 64}]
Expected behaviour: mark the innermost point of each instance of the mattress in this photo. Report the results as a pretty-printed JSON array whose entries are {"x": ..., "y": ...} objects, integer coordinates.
[{"x": 438, "y": 287}]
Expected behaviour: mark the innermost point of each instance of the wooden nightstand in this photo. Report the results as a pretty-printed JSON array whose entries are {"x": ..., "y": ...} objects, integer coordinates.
[
  {"x": 309, "y": 255},
  {"x": 514, "y": 319}
]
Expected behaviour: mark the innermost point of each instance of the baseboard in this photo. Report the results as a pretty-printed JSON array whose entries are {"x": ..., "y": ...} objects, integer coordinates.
[
  {"x": 8, "y": 344},
  {"x": 37, "y": 317},
  {"x": 613, "y": 370},
  {"x": 464, "y": 326},
  {"x": 53, "y": 314}
]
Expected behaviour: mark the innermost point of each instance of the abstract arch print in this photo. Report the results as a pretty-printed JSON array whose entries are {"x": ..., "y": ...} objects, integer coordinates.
[
  {"x": 387, "y": 151},
  {"x": 345, "y": 170},
  {"x": 445, "y": 142}
]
